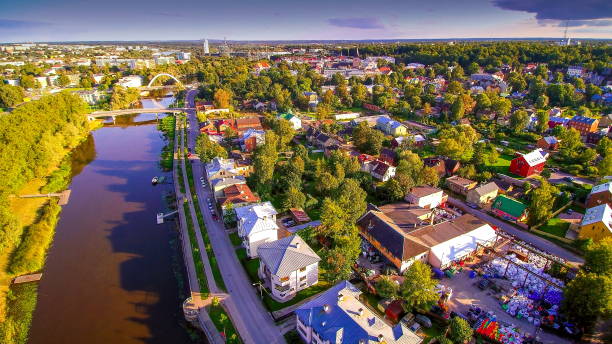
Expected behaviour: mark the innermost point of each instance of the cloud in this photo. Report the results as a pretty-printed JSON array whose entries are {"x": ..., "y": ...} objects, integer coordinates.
[
  {"x": 10, "y": 24},
  {"x": 576, "y": 23},
  {"x": 364, "y": 23},
  {"x": 560, "y": 9}
]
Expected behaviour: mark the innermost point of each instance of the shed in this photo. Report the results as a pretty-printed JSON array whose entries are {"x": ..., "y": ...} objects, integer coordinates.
[{"x": 394, "y": 311}]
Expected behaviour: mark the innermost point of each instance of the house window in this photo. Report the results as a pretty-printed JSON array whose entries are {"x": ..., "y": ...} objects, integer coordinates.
[
  {"x": 302, "y": 285},
  {"x": 303, "y": 269},
  {"x": 302, "y": 278},
  {"x": 284, "y": 279}
]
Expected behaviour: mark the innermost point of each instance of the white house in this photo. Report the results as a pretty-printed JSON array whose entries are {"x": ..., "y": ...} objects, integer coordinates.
[
  {"x": 295, "y": 121},
  {"x": 339, "y": 316},
  {"x": 346, "y": 116},
  {"x": 130, "y": 81},
  {"x": 425, "y": 196},
  {"x": 288, "y": 265},
  {"x": 382, "y": 170},
  {"x": 256, "y": 226}
]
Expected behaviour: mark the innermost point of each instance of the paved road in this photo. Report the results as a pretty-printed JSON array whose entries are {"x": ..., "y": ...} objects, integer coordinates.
[
  {"x": 532, "y": 239},
  {"x": 557, "y": 178},
  {"x": 243, "y": 304}
]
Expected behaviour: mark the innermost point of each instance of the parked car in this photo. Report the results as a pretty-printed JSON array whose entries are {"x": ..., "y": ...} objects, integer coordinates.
[
  {"x": 423, "y": 320},
  {"x": 569, "y": 179},
  {"x": 415, "y": 327}
]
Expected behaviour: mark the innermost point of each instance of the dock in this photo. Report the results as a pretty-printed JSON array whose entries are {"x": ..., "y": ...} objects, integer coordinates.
[
  {"x": 161, "y": 216},
  {"x": 64, "y": 196},
  {"x": 27, "y": 278}
]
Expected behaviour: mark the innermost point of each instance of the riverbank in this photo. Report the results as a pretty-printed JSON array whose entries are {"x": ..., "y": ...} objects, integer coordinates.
[{"x": 37, "y": 218}]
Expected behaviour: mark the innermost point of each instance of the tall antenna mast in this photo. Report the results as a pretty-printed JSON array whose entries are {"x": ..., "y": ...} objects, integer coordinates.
[{"x": 565, "y": 33}]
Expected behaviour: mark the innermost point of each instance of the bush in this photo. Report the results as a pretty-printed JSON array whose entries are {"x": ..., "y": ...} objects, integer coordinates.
[
  {"x": 460, "y": 330},
  {"x": 30, "y": 254}
]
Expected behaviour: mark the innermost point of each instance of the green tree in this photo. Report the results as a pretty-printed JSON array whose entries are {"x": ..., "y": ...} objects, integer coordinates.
[
  {"x": 460, "y": 330},
  {"x": 28, "y": 82},
  {"x": 457, "y": 109},
  {"x": 386, "y": 287},
  {"x": 10, "y": 95},
  {"x": 588, "y": 297},
  {"x": 394, "y": 190},
  {"x": 519, "y": 120},
  {"x": 222, "y": 99},
  {"x": 293, "y": 198},
  {"x": 285, "y": 132},
  {"x": 542, "y": 200},
  {"x": 418, "y": 288},
  {"x": 542, "y": 125},
  {"x": 359, "y": 94},
  {"x": 598, "y": 257},
  {"x": 542, "y": 102},
  {"x": 352, "y": 198},
  {"x": 63, "y": 80},
  {"x": 207, "y": 149}
]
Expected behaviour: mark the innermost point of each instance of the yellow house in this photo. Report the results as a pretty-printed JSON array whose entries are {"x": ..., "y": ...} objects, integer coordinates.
[{"x": 596, "y": 223}]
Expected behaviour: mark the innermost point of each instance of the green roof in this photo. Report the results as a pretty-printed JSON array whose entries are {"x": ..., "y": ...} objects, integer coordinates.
[
  {"x": 509, "y": 206},
  {"x": 286, "y": 116}
]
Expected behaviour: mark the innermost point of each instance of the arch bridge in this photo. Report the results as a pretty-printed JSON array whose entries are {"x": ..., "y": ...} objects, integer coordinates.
[{"x": 164, "y": 74}]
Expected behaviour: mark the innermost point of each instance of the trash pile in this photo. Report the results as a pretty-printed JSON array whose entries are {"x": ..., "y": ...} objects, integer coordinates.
[
  {"x": 534, "y": 282},
  {"x": 488, "y": 326}
]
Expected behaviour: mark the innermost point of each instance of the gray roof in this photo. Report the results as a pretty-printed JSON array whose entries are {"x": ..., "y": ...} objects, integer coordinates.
[
  {"x": 286, "y": 255},
  {"x": 486, "y": 189}
]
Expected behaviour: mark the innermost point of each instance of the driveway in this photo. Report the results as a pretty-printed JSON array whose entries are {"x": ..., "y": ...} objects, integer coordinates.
[
  {"x": 558, "y": 178},
  {"x": 248, "y": 314},
  {"x": 536, "y": 241}
]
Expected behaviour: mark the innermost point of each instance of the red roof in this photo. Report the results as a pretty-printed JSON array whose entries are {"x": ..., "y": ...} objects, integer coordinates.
[
  {"x": 299, "y": 214},
  {"x": 238, "y": 193}
]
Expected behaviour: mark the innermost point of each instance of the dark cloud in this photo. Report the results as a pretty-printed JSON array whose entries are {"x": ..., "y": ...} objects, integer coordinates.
[
  {"x": 365, "y": 23},
  {"x": 10, "y": 24},
  {"x": 560, "y": 9}
]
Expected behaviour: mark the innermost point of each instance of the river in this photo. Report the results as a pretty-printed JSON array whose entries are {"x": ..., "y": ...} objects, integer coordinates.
[{"x": 112, "y": 274}]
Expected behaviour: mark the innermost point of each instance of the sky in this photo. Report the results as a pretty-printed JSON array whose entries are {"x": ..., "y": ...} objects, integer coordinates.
[{"x": 87, "y": 20}]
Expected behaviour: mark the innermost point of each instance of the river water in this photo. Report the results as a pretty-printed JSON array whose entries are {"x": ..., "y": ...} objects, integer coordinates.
[{"x": 113, "y": 275}]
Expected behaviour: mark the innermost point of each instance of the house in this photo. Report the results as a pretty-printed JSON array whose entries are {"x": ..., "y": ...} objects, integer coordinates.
[
  {"x": 252, "y": 139},
  {"x": 220, "y": 184},
  {"x": 256, "y": 225},
  {"x": 220, "y": 168},
  {"x": 236, "y": 195},
  {"x": 460, "y": 185},
  {"x": 503, "y": 186},
  {"x": 295, "y": 121},
  {"x": 299, "y": 215},
  {"x": 391, "y": 127},
  {"x": 415, "y": 140},
  {"x": 388, "y": 155},
  {"x": 320, "y": 139},
  {"x": 346, "y": 116},
  {"x": 594, "y": 137},
  {"x": 483, "y": 194},
  {"x": 438, "y": 244},
  {"x": 339, "y": 316},
  {"x": 245, "y": 123},
  {"x": 596, "y": 223},
  {"x": 509, "y": 208},
  {"x": 548, "y": 143},
  {"x": 528, "y": 164},
  {"x": 600, "y": 194},
  {"x": 575, "y": 71},
  {"x": 130, "y": 81},
  {"x": 425, "y": 196},
  {"x": 380, "y": 170},
  {"x": 583, "y": 124},
  {"x": 203, "y": 106},
  {"x": 554, "y": 121},
  {"x": 287, "y": 266}
]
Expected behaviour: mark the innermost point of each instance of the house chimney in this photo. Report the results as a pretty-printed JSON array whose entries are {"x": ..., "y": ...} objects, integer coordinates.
[
  {"x": 297, "y": 245},
  {"x": 380, "y": 337},
  {"x": 340, "y": 296},
  {"x": 323, "y": 323},
  {"x": 326, "y": 308},
  {"x": 360, "y": 311}
]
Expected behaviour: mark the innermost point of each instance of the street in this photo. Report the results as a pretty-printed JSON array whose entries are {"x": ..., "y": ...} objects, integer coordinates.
[
  {"x": 246, "y": 310},
  {"x": 532, "y": 239}
]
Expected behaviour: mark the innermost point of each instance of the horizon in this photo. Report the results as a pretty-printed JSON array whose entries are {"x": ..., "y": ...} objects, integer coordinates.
[{"x": 71, "y": 20}]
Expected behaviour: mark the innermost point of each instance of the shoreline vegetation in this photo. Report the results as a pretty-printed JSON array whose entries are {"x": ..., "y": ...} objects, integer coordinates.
[{"x": 36, "y": 143}]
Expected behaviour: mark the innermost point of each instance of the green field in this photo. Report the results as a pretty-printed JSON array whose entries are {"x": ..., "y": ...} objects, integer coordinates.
[
  {"x": 555, "y": 226},
  {"x": 502, "y": 164}
]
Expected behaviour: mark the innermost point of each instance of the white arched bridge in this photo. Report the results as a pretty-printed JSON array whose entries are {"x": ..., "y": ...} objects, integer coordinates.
[
  {"x": 113, "y": 113},
  {"x": 164, "y": 74}
]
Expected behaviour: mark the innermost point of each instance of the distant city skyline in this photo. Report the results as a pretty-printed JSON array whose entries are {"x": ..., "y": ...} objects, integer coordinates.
[{"x": 79, "y": 20}]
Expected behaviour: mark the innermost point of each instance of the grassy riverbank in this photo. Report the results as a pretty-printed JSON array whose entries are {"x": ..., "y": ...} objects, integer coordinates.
[{"x": 40, "y": 137}]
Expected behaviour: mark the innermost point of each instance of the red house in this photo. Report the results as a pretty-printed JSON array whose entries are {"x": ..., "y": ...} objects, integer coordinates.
[{"x": 528, "y": 164}]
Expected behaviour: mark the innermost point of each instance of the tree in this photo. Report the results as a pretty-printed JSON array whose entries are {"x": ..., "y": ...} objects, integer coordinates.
[
  {"x": 207, "y": 149},
  {"x": 368, "y": 140},
  {"x": 284, "y": 129},
  {"x": 222, "y": 99},
  {"x": 457, "y": 109},
  {"x": 28, "y": 82},
  {"x": 293, "y": 198},
  {"x": 542, "y": 200},
  {"x": 123, "y": 98},
  {"x": 519, "y": 120},
  {"x": 443, "y": 340},
  {"x": 352, "y": 198},
  {"x": 429, "y": 176},
  {"x": 394, "y": 190},
  {"x": 63, "y": 80},
  {"x": 418, "y": 288},
  {"x": 359, "y": 94},
  {"x": 588, "y": 297},
  {"x": 10, "y": 95},
  {"x": 570, "y": 141},
  {"x": 604, "y": 167},
  {"x": 386, "y": 287},
  {"x": 501, "y": 105},
  {"x": 598, "y": 257},
  {"x": 542, "y": 102},
  {"x": 460, "y": 330},
  {"x": 542, "y": 125}
]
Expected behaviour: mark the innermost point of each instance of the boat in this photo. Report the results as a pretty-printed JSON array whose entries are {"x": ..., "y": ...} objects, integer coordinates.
[{"x": 154, "y": 180}]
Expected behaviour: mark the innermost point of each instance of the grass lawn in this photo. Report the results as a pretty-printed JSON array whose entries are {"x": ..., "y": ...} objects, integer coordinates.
[
  {"x": 555, "y": 226},
  {"x": 502, "y": 164},
  {"x": 235, "y": 239},
  {"x": 434, "y": 331},
  {"x": 224, "y": 325}
]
